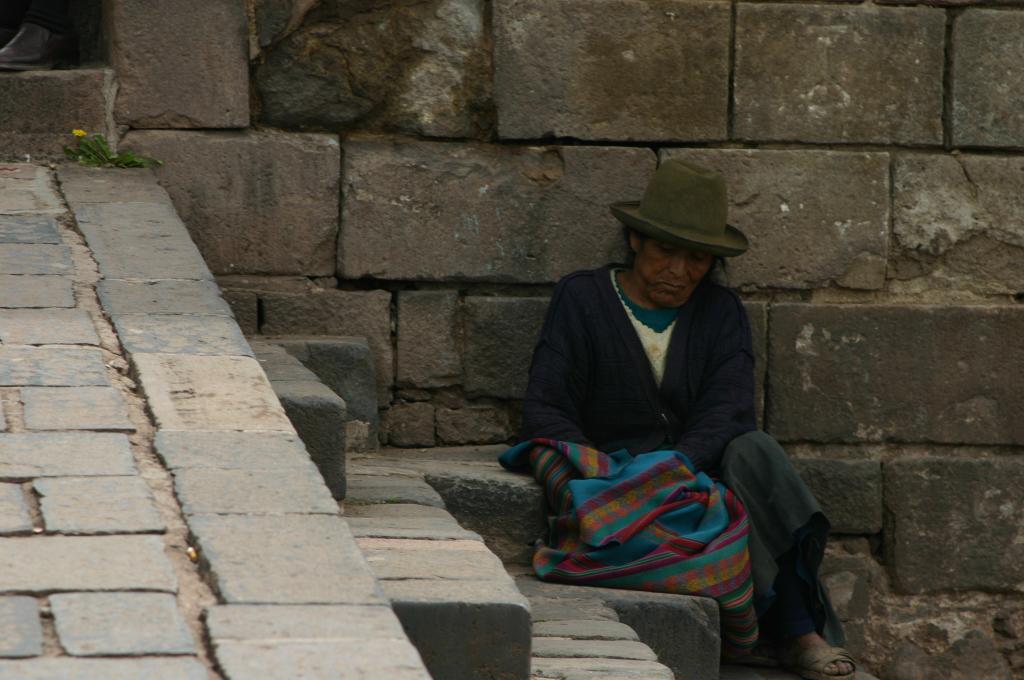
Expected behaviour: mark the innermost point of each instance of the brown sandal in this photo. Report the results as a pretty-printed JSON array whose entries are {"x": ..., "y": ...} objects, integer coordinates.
[{"x": 810, "y": 662}]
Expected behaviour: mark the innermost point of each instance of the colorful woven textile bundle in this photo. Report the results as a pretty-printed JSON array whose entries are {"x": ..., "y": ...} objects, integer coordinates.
[{"x": 643, "y": 523}]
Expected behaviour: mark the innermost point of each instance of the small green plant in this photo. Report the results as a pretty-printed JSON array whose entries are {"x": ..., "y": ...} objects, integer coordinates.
[{"x": 94, "y": 150}]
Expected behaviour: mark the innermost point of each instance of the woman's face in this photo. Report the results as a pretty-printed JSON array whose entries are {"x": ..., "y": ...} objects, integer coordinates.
[{"x": 665, "y": 274}]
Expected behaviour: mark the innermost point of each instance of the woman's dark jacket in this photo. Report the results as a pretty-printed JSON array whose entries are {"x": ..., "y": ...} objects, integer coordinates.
[{"x": 591, "y": 382}]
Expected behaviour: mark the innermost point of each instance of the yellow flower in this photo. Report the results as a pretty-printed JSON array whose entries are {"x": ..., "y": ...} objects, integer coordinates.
[{"x": 79, "y": 133}]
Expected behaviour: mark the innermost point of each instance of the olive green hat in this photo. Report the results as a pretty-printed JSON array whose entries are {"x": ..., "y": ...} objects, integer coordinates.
[{"x": 685, "y": 205}]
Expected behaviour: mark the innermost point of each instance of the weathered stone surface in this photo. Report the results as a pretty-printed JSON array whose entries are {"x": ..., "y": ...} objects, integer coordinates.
[
  {"x": 146, "y": 48},
  {"x": 27, "y": 455},
  {"x": 429, "y": 211},
  {"x": 356, "y": 659},
  {"x": 396, "y": 558},
  {"x": 22, "y": 635},
  {"x": 832, "y": 368},
  {"x": 566, "y": 648},
  {"x": 14, "y": 516},
  {"x": 320, "y": 418},
  {"x": 422, "y": 68},
  {"x": 286, "y": 559},
  {"x": 399, "y": 511},
  {"x": 321, "y": 311},
  {"x": 52, "y": 366},
  {"x": 938, "y": 546},
  {"x": 988, "y": 65},
  {"x": 582, "y": 629},
  {"x": 255, "y": 492},
  {"x": 620, "y": 70},
  {"x": 956, "y": 222},
  {"x": 410, "y": 424},
  {"x": 595, "y": 668},
  {"x": 473, "y": 425},
  {"x": 35, "y": 291},
  {"x": 27, "y": 188},
  {"x": 973, "y": 656},
  {"x": 40, "y": 108},
  {"x": 276, "y": 207},
  {"x": 97, "y": 505},
  {"x": 140, "y": 241},
  {"x": 35, "y": 258},
  {"x": 162, "y": 297},
  {"x": 46, "y": 327},
  {"x": 500, "y": 333},
  {"x": 87, "y": 563},
  {"x": 757, "y": 314},
  {"x": 75, "y": 408},
  {"x": 424, "y": 528},
  {"x": 185, "y": 668},
  {"x": 378, "y": 489},
  {"x": 82, "y": 185},
  {"x": 556, "y": 609},
  {"x": 251, "y": 623},
  {"x": 245, "y": 305},
  {"x": 813, "y": 218},
  {"x": 428, "y": 355},
  {"x": 850, "y": 492},
  {"x": 209, "y": 393},
  {"x": 810, "y": 73},
  {"x": 231, "y": 450},
  {"x": 28, "y": 229},
  {"x": 101, "y": 624},
  {"x": 180, "y": 334}
]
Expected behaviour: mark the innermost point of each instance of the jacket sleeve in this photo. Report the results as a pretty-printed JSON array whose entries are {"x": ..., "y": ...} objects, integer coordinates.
[
  {"x": 559, "y": 373},
  {"x": 724, "y": 404}
]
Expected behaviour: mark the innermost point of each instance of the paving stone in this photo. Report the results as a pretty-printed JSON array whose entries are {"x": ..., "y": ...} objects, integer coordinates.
[
  {"x": 256, "y": 492},
  {"x": 231, "y": 450},
  {"x": 320, "y": 418},
  {"x": 584, "y": 629},
  {"x": 427, "y": 354},
  {"x": 276, "y": 209},
  {"x": 466, "y": 212},
  {"x": 363, "y": 489},
  {"x": 349, "y": 660},
  {"x": 75, "y": 408},
  {"x": 14, "y": 515},
  {"x": 943, "y": 546},
  {"x": 82, "y": 185},
  {"x": 988, "y": 63},
  {"x": 146, "y": 46},
  {"x": 187, "y": 668},
  {"x": 21, "y": 634},
  {"x": 98, "y": 505},
  {"x": 87, "y": 563},
  {"x": 35, "y": 291},
  {"x": 397, "y": 510},
  {"x": 285, "y": 559},
  {"x": 409, "y": 424},
  {"x": 850, "y": 492},
  {"x": 253, "y": 623},
  {"x": 581, "y": 669},
  {"x": 209, "y": 393},
  {"x": 32, "y": 258},
  {"x": 28, "y": 229},
  {"x": 473, "y": 424},
  {"x": 832, "y": 366},
  {"x": 52, "y": 366},
  {"x": 40, "y": 108},
  {"x": 140, "y": 241},
  {"x": 180, "y": 334},
  {"x": 566, "y": 648},
  {"x": 558, "y": 609},
  {"x": 830, "y": 197},
  {"x": 3, "y": 419},
  {"x": 500, "y": 333},
  {"x": 810, "y": 73},
  {"x": 101, "y": 624},
  {"x": 27, "y": 455},
  {"x": 418, "y": 559},
  {"x": 620, "y": 70},
  {"x": 47, "y": 327},
  {"x": 161, "y": 297},
  {"x": 426, "y": 528}
]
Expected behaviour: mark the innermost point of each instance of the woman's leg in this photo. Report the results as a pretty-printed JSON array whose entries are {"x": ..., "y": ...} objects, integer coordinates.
[
  {"x": 50, "y": 14},
  {"x": 12, "y": 13}
]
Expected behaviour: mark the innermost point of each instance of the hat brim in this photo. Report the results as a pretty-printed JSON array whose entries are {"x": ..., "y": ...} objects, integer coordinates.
[{"x": 729, "y": 243}]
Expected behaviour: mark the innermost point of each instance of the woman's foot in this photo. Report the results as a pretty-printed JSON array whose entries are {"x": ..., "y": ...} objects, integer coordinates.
[
  {"x": 35, "y": 48},
  {"x": 811, "y": 657}
]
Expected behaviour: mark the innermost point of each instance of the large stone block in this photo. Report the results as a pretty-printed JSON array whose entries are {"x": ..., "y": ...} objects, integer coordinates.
[
  {"x": 812, "y": 73},
  {"x": 472, "y": 425},
  {"x": 254, "y": 202},
  {"x": 423, "y": 68},
  {"x": 836, "y": 373},
  {"x": 612, "y": 70},
  {"x": 945, "y": 517},
  {"x": 431, "y": 211},
  {"x": 320, "y": 418},
  {"x": 428, "y": 354},
  {"x": 156, "y": 55},
  {"x": 410, "y": 424},
  {"x": 850, "y": 492},
  {"x": 988, "y": 67},
  {"x": 500, "y": 335},
  {"x": 956, "y": 222},
  {"x": 813, "y": 218},
  {"x": 757, "y": 314}
]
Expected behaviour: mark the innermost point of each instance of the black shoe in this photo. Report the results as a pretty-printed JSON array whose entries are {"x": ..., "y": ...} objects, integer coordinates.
[
  {"x": 6, "y": 34},
  {"x": 36, "y": 48}
]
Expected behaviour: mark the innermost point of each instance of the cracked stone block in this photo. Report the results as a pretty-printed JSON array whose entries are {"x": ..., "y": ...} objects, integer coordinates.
[
  {"x": 35, "y": 259},
  {"x": 35, "y": 291},
  {"x": 46, "y": 327},
  {"x": 428, "y": 354},
  {"x": 98, "y": 505},
  {"x": 179, "y": 334},
  {"x": 52, "y": 366},
  {"x": 499, "y": 336},
  {"x": 832, "y": 369},
  {"x": 28, "y": 455},
  {"x": 21, "y": 634},
  {"x": 14, "y": 514},
  {"x": 468, "y": 212},
  {"x": 613, "y": 70},
  {"x": 75, "y": 408},
  {"x": 29, "y": 229},
  {"x": 135, "y": 624},
  {"x": 810, "y": 73},
  {"x": 813, "y": 218}
]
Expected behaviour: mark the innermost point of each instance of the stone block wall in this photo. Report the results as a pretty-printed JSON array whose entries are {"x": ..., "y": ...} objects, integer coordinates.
[{"x": 422, "y": 173}]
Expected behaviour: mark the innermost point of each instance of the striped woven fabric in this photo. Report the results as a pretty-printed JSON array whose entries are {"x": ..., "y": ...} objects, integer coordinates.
[{"x": 643, "y": 523}]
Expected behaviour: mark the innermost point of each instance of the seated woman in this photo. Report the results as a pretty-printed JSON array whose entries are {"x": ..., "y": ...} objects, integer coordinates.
[{"x": 657, "y": 356}]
